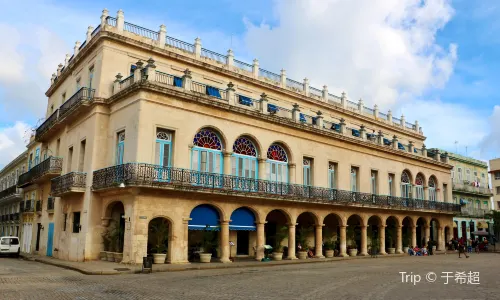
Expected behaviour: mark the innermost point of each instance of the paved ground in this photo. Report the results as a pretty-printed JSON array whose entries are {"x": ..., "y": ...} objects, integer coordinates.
[{"x": 356, "y": 279}]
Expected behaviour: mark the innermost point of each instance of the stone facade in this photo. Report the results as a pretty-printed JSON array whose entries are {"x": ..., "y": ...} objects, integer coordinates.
[
  {"x": 495, "y": 181},
  {"x": 142, "y": 126}
]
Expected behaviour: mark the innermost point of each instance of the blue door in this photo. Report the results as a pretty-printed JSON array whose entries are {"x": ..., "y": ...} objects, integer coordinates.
[{"x": 50, "y": 239}]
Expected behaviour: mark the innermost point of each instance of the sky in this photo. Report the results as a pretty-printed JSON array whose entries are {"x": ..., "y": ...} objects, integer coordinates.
[{"x": 431, "y": 60}]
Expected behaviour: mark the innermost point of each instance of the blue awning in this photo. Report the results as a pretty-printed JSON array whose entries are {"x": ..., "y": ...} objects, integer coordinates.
[
  {"x": 415, "y": 150},
  {"x": 302, "y": 117},
  {"x": 202, "y": 216},
  {"x": 177, "y": 81},
  {"x": 242, "y": 219},
  {"x": 212, "y": 91},
  {"x": 272, "y": 108},
  {"x": 245, "y": 100},
  {"x": 387, "y": 142}
]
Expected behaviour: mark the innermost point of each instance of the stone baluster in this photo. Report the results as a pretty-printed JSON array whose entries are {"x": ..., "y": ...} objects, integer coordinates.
[
  {"x": 53, "y": 78},
  {"x": 283, "y": 78},
  {"x": 150, "y": 70},
  {"x": 403, "y": 121},
  {"x": 375, "y": 111},
  {"x": 66, "y": 60},
  {"x": 120, "y": 21},
  {"x": 230, "y": 58},
  {"x": 395, "y": 142},
  {"x": 116, "y": 83},
  {"x": 76, "y": 48},
  {"x": 263, "y": 104},
  {"x": 306, "y": 87},
  {"x": 230, "y": 94},
  {"x": 187, "y": 80},
  {"x": 380, "y": 137},
  {"x": 162, "y": 36},
  {"x": 389, "y": 117},
  {"x": 197, "y": 48},
  {"x": 296, "y": 113},
  {"x": 138, "y": 71},
  {"x": 255, "y": 68},
  {"x": 342, "y": 126},
  {"x": 104, "y": 16},
  {"x": 424, "y": 151},
  {"x": 89, "y": 33},
  {"x": 360, "y": 105},
  {"x": 325, "y": 93},
  {"x": 343, "y": 100},
  {"x": 362, "y": 132},
  {"x": 59, "y": 68}
]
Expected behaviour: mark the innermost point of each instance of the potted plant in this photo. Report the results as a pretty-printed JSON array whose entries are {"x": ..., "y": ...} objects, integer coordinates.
[
  {"x": 280, "y": 235},
  {"x": 406, "y": 242},
  {"x": 374, "y": 245},
  {"x": 112, "y": 244},
  {"x": 352, "y": 248},
  {"x": 390, "y": 240},
  {"x": 302, "y": 241},
  {"x": 159, "y": 233},
  {"x": 330, "y": 244},
  {"x": 106, "y": 243},
  {"x": 117, "y": 236},
  {"x": 209, "y": 244}
]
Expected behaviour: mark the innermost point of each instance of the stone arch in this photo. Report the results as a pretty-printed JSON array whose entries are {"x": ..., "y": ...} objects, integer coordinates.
[
  {"x": 217, "y": 131},
  {"x": 408, "y": 221},
  {"x": 276, "y": 228},
  {"x": 202, "y": 218},
  {"x": 435, "y": 234},
  {"x": 391, "y": 227},
  {"x": 315, "y": 217},
  {"x": 331, "y": 229},
  {"x": 254, "y": 140},
  {"x": 410, "y": 176},
  {"x": 407, "y": 232},
  {"x": 433, "y": 179},
  {"x": 115, "y": 222},
  {"x": 286, "y": 214},
  {"x": 420, "y": 179},
  {"x": 160, "y": 232},
  {"x": 421, "y": 224},
  {"x": 253, "y": 210},
  {"x": 285, "y": 146},
  {"x": 108, "y": 210},
  {"x": 353, "y": 231}
]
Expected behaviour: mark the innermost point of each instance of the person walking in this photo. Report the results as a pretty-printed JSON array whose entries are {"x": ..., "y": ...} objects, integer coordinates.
[
  {"x": 469, "y": 245},
  {"x": 476, "y": 245},
  {"x": 461, "y": 249}
]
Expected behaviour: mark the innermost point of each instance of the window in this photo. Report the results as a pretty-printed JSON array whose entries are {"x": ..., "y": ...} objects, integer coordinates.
[
  {"x": 91, "y": 76},
  {"x": 78, "y": 84},
  {"x": 455, "y": 200},
  {"x": 70, "y": 159},
  {"x": 244, "y": 159},
  {"x": 485, "y": 204},
  {"x": 459, "y": 171},
  {"x": 37, "y": 156},
  {"x": 467, "y": 175},
  {"x": 483, "y": 180},
  {"x": 445, "y": 193},
  {"x": 65, "y": 221},
  {"x": 207, "y": 152},
  {"x": 76, "y": 222},
  {"x": 277, "y": 164},
  {"x": 374, "y": 182},
  {"x": 163, "y": 153},
  {"x": 81, "y": 159},
  {"x": 306, "y": 165},
  {"x": 419, "y": 187},
  {"x": 498, "y": 190},
  {"x": 120, "y": 147},
  {"x": 30, "y": 162},
  {"x": 58, "y": 145},
  {"x": 498, "y": 204},
  {"x": 63, "y": 98},
  {"x": 497, "y": 175},
  {"x": 405, "y": 185},
  {"x": 332, "y": 180},
  {"x": 432, "y": 189},
  {"x": 354, "y": 179}
]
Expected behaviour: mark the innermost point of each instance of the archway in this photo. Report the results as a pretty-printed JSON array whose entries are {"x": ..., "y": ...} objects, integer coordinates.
[
  {"x": 115, "y": 235},
  {"x": 391, "y": 235},
  {"x": 276, "y": 231},
  {"x": 464, "y": 230},
  {"x": 373, "y": 235},
  {"x": 406, "y": 182},
  {"x": 305, "y": 238},
  {"x": 421, "y": 234},
  {"x": 447, "y": 236},
  {"x": 205, "y": 219},
  {"x": 353, "y": 234},
  {"x": 242, "y": 232},
  {"x": 159, "y": 236},
  {"x": 331, "y": 233},
  {"x": 206, "y": 155},
  {"x": 472, "y": 228},
  {"x": 435, "y": 235},
  {"x": 407, "y": 233}
]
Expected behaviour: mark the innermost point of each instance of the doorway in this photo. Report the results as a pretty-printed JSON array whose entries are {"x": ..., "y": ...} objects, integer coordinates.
[
  {"x": 242, "y": 236},
  {"x": 37, "y": 246}
]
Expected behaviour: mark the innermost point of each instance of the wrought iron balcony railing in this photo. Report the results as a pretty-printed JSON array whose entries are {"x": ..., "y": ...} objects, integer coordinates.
[
  {"x": 50, "y": 204},
  {"x": 469, "y": 188},
  {"x": 474, "y": 212},
  {"x": 21, "y": 206},
  {"x": 16, "y": 217},
  {"x": 51, "y": 166},
  {"x": 13, "y": 190},
  {"x": 49, "y": 123},
  {"x": 29, "y": 205},
  {"x": 71, "y": 182},
  {"x": 82, "y": 95},
  {"x": 148, "y": 175},
  {"x": 38, "y": 205}
]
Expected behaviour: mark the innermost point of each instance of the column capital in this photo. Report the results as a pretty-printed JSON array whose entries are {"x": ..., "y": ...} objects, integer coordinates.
[
  {"x": 227, "y": 153},
  {"x": 224, "y": 222},
  {"x": 261, "y": 223},
  {"x": 291, "y": 224},
  {"x": 291, "y": 165},
  {"x": 262, "y": 159},
  {"x": 363, "y": 226}
]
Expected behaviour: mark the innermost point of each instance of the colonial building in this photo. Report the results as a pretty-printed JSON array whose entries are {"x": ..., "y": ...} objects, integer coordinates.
[
  {"x": 470, "y": 190},
  {"x": 495, "y": 181},
  {"x": 11, "y": 196},
  {"x": 143, "y": 127}
]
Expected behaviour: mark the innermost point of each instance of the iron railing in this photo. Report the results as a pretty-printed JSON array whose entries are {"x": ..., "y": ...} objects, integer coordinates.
[
  {"x": 243, "y": 65},
  {"x": 269, "y": 75},
  {"x": 83, "y": 94},
  {"x": 149, "y": 175},
  {"x": 51, "y": 121},
  {"x": 66, "y": 182},
  {"x": 111, "y": 21},
  {"x": 29, "y": 205},
  {"x": 474, "y": 212},
  {"x": 214, "y": 56},
  {"x": 175, "y": 43},
  {"x": 9, "y": 191},
  {"x": 39, "y": 205},
  {"x": 50, "y": 203},
  {"x": 150, "y": 34},
  {"x": 463, "y": 187},
  {"x": 294, "y": 84},
  {"x": 52, "y": 165}
]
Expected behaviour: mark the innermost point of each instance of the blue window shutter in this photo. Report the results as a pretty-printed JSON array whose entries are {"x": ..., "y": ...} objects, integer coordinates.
[
  {"x": 387, "y": 142},
  {"x": 355, "y": 132},
  {"x": 401, "y": 147},
  {"x": 415, "y": 150},
  {"x": 177, "y": 81},
  {"x": 245, "y": 100},
  {"x": 272, "y": 108},
  {"x": 302, "y": 117}
]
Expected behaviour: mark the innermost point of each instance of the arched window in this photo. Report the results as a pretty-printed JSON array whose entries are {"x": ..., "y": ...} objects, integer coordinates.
[
  {"x": 432, "y": 189},
  {"x": 120, "y": 147},
  {"x": 419, "y": 186},
  {"x": 163, "y": 153},
  {"x": 277, "y": 164},
  {"x": 306, "y": 167},
  {"x": 207, "y": 152},
  {"x": 244, "y": 159},
  {"x": 405, "y": 185}
]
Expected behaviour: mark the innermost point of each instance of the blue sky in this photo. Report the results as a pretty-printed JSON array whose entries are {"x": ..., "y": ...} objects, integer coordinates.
[{"x": 433, "y": 61}]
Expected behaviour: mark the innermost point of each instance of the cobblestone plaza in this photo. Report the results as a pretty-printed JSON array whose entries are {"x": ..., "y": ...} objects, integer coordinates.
[{"x": 378, "y": 278}]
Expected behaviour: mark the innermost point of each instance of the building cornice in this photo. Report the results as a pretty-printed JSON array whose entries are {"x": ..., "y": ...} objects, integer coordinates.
[{"x": 15, "y": 161}]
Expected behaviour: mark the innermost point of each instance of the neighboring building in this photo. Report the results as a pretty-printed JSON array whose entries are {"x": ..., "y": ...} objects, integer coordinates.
[
  {"x": 471, "y": 190},
  {"x": 495, "y": 182},
  {"x": 194, "y": 138},
  {"x": 11, "y": 196}
]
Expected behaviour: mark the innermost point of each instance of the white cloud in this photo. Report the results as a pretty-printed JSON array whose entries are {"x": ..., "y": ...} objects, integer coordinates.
[
  {"x": 13, "y": 141},
  {"x": 383, "y": 51},
  {"x": 490, "y": 145},
  {"x": 11, "y": 60}
]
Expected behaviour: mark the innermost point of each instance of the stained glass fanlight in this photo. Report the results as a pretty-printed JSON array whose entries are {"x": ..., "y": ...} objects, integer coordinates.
[
  {"x": 206, "y": 138},
  {"x": 432, "y": 182},
  {"x": 419, "y": 180},
  {"x": 405, "y": 178},
  {"x": 276, "y": 152},
  {"x": 244, "y": 146}
]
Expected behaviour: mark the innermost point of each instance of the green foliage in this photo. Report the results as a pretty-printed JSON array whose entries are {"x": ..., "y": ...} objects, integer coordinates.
[
  {"x": 117, "y": 235},
  {"x": 495, "y": 216},
  {"x": 406, "y": 239},
  {"x": 159, "y": 232},
  {"x": 106, "y": 240},
  {"x": 210, "y": 240},
  {"x": 351, "y": 237},
  {"x": 280, "y": 235},
  {"x": 302, "y": 236},
  {"x": 375, "y": 243},
  {"x": 330, "y": 240}
]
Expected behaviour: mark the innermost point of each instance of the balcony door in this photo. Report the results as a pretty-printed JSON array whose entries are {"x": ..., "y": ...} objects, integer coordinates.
[
  {"x": 163, "y": 155},
  {"x": 244, "y": 164},
  {"x": 206, "y": 158}
]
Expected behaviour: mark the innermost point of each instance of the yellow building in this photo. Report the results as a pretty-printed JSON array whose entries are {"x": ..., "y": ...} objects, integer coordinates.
[
  {"x": 142, "y": 127},
  {"x": 495, "y": 181}
]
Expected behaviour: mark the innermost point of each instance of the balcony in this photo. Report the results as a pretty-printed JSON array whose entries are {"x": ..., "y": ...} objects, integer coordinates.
[
  {"x": 47, "y": 169},
  {"x": 474, "y": 212},
  {"x": 83, "y": 97},
  {"x": 11, "y": 193},
  {"x": 467, "y": 188},
  {"x": 73, "y": 182},
  {"x": 38, "y": 206},
  {"x": 50, "y": 204},
  {"x": 158, "y": 177},
  {"x": 29, "y": 206},
  {"x": 48, "y": 126}
]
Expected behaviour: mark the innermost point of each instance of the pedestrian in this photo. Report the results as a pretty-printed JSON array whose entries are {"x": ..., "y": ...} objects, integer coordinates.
[
  {"x": 429, "y": 246},
  {"x": 476, "y": 245},
  {"x": 461, "y": 249},
  {"x": 469, "y": 245}
]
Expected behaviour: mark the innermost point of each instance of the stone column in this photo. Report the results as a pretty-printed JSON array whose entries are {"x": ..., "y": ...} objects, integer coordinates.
[
  {"x": 227, "y": 162},
  {"x": 381, "y": 236},
  {"x": 395, "y": 142},
  {"x": 325, "y": 93},
  {"x": 261, "y": 239},
  {"x": 343, "y": 241},
  {"x": 362, "y": 132},
  {"x": 364, "y": 250},
  {"x": 319, "y": 241},
  {"x": 230, "y": 58},
  {"x": 187, "y": 80},
  {"x": 427, "y": 235},
  {"x": 306, "y": 87},
  {"x": 116, "y": 83},
  {"x": 342, "y": 126},
  {"x": 319, "y": 119},
  {"x": 375, "y": 111},
  {"x": 413, "y": 236},
  {"x": 262, "y": 168},
  {"x": 224, "y": 240},
  {"x": 410, "y": 146},
  {"x": 162, "y": 36},
  {"x": 441, "y": 239},
  {"x": 291, "y": 241},
  {"x": 283, "y": 78},
  {"x": 184, "y": 250},
  {"x": 426, "y": 193},
  {"x": 120, "y": 20},
  {"x": 389, "y": 116},
  {"x": 197, "y": 48},
  {"x": 230, "y": 94},
  {"x": 291, "y": 173},
  {"x": 399, "y": 239},
  {"x": 380, "y": 137},
  {"x": 255, "y": 68},
  {"x": 424, "y": 150},
  {"x": 263, "y": 104}
]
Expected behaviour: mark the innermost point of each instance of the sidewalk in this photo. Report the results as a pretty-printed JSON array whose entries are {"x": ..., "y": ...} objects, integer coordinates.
[{"x": 98, "y": 267}]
